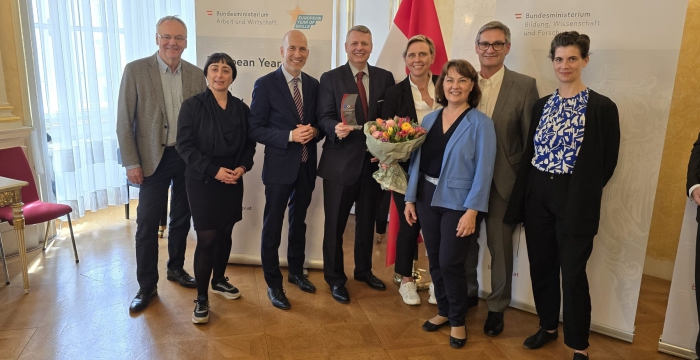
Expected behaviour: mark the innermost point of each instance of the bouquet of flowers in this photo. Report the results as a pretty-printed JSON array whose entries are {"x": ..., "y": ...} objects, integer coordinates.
[{"x": 392, "y": 141}]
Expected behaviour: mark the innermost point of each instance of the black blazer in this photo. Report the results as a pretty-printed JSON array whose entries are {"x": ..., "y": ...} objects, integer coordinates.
[
  {"x": 398, "y": 101},
  {"x": 594, "y": 166},
  {"x": 197, "y": 131},
  {"x": 273, "y": 115},
  {"x": 694, "y": 171},
  {"x": 341, "y": 160}
]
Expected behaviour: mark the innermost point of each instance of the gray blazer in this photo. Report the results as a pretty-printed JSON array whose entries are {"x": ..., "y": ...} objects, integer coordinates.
[
  {"x": 141, "y": 121},
  {"x": 511, "y": 117}
]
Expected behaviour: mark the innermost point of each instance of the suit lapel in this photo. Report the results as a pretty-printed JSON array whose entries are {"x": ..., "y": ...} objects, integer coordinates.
[
  {"x": 459, "y": 131},
  {"x": 405, "y": 97},
  {"x": 154, "y": 72},
  {"x": 503, "y": 94},
  {"x": 373, "y": 93},
  {"x": 281, "y": 83},
  {"x": 306, "y": 92}
]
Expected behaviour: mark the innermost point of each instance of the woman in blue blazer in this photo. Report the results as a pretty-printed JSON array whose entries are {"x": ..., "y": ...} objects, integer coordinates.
[{"x": 448, "y": 189}]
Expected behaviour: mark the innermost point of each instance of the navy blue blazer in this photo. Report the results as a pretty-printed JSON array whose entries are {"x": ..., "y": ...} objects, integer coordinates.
[
  {"x": 273, "y": 115},
  {"x": 341, "y": 160},
  {"x": 467, "y": 166}
]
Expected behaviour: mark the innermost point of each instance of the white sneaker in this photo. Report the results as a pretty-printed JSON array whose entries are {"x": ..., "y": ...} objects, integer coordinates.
[
  {"x": 409, "y": 294},
  {"x": 431, "y": 291}
]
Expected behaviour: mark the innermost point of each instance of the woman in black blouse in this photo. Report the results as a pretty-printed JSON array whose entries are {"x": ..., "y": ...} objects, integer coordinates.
[
  {"x": 211, "y": 138},
  {"x": 414, "y": 97},
  {"x": 571, "y": 154}
]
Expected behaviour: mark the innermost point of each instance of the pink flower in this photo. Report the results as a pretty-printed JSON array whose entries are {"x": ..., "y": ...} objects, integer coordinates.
[
  {"x": 390, "y": 123},
  {"x": 372, "y": 129},
  {"x": 376, "y": 134}
]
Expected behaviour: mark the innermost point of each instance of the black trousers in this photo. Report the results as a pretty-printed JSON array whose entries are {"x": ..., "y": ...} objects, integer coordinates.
[
  {"x": 383, "y": 204},
  {"x": 406, "y": 241},
  {"x": 446, "y": 252},
  {"x": 550, "y": 251},
  {"x": 697, "y": 284},
  {"x": 279, "y": 197},
  {"x": 337, "y": 202},
  {"x": 152, "y": 198}
]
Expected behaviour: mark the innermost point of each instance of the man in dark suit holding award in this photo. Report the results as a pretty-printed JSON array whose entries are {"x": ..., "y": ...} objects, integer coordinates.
[
  {"x": 348, "y": 95},
  {"x": 507, "y": 98},
  {"x": 693, "y": 191},
  {"x": 151, "y": 92},
  {"x": 283, "y": 118}
]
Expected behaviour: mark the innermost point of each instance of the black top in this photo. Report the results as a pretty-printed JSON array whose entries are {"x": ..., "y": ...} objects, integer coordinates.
[
  {"x": 433, "y": 149},
  {"x": 231, "y": 138}
]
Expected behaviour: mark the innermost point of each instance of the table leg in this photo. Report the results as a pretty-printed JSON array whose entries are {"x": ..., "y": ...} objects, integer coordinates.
[{"x": 18, "y": 221}]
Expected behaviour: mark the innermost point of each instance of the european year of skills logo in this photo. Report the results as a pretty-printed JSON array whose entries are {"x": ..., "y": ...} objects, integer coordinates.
[{"x": 307, "y": 21}]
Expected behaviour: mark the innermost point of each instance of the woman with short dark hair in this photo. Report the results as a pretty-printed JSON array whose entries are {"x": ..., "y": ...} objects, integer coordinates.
[
  {"x": 212, "y": 139},
  {"x": 571, "y": 154},
  {"x": 448, "y": 189}
]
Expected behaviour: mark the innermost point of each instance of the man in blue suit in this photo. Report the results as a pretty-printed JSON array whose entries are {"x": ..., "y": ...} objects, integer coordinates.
[
  {"x": 283, "y": 118},
  {"x": 345, "y": 166}
]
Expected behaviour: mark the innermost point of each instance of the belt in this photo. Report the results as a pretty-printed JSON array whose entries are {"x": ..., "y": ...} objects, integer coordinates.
[{"x": 431, "y": 180}]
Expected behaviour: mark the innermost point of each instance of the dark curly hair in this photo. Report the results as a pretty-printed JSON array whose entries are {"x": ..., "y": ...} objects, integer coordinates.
[{"x": 570, "y": 38}]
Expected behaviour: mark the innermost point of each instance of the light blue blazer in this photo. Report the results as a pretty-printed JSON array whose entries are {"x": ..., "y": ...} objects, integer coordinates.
[{"x": 467, "y": 166}]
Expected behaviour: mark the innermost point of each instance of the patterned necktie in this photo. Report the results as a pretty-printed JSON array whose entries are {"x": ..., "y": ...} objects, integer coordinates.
[
  {"x": 300, "y": 110},
  {"x": 363, "y": 93}
]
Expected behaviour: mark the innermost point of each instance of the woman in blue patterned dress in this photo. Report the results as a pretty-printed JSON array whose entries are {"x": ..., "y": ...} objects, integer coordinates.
[{"x": 571, "y": 154}]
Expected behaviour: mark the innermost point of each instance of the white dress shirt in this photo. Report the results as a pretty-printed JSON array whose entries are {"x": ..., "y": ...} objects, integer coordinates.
[
  {"x": 489, "y": 91},
  {"x": 422, "y": 108},
  {"x": 290, "y": 83}
]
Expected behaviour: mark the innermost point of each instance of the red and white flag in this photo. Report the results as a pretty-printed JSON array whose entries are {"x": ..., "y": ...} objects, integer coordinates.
[{"x": 415, "y": 17}]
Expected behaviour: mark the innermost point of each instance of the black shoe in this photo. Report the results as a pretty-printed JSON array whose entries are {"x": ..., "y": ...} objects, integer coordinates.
[
  {"x": 579, "y": 356},
  {"x": 302, "y": 282},
  {"x": 340, "y": 294},
  {"x": 182, "y": 277},
  {"x": 373, "y": 282},
  {"x": 225, "y": 289},
  {"x": 200, "y": 315},
  {"x": 472, "y": 301},
  {"x": 539, "y": 339},
  {"x": 494, "y": 324},
  {"x": 278, "y": 299},
  {"x": 459, "y": 343},
  {"x": 430, "y": 327},
  {"x": 142, "y": 299}
]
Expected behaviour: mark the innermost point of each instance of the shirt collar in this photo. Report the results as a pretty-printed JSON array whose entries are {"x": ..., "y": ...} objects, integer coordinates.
[
  {"x": 496, "y": 78},
  {"x": 355, "y": 70},
  {"x": 164, "y": 68},
  {"x": 431, "y": 86},
  {"x": 287, "y": 76}
]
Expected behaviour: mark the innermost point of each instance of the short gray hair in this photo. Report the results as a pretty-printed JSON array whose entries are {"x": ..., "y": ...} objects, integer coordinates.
[
  {"x": 171, "y": 18},
  {"x": 494, "y": 25},
  {"x": 361, "y": 28}
]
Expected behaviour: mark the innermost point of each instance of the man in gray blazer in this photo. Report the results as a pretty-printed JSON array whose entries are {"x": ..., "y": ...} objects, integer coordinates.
[
  {"x": 507, "y": 97},
  {"x": 151, "y": 92}
]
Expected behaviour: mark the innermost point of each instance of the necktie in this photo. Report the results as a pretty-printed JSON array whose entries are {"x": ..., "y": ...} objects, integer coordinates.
[
  {"x": 363, "y": 93},
  {"x": 300, "y": 110}
]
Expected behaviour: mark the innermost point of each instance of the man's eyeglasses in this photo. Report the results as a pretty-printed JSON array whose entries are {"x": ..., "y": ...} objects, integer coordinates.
[
  {"x": 484, "y": 46},
  {"x": 166, "y": 38}
]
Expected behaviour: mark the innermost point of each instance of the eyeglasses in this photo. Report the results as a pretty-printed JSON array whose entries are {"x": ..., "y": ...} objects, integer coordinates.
[
  {"x": 484, "y": 46},
  {"x": 167, "y": 38}
]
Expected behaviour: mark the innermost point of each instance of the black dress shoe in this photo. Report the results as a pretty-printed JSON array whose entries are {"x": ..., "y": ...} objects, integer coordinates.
[
  {"x": 373, "y": 282},
  {"x": 430, "y": 327},
  {"x": 142, "y": 299},
  {"x": 494, "y": 324},
  {"x": 459, "y": 343},
  {"x": 182, "y": 277},
  {"x": 340, "y": 294},
  {"x": 539, "y": 339},
  {"x": 579, "y": 356},
  {"x": 472, "y": 301},
  {"x": 302, "y": 282},
  {"x": 278, "y": 299}
]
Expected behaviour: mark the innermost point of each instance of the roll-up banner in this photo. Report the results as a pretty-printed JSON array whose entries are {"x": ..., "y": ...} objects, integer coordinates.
[
  {"x": 681, "y": 324},
  {"x": 251, "y": 33},
  {"x": 634, "y": 51}
]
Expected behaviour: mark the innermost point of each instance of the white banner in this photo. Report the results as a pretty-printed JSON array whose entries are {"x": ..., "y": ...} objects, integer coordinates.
[
  {"x": 634, "y": 52},
  {"x": 681, "y": 326},
  {"x": 251, "y": 33}
]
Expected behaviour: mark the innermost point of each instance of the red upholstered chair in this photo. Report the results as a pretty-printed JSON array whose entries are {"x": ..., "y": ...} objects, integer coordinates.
[{"x": 14, "y": 165}]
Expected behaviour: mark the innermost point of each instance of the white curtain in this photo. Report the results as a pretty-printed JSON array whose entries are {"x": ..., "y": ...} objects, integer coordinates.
[{"x": 80, "y": 49}]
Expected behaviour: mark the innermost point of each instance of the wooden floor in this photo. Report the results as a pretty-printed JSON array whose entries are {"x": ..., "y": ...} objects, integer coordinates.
[{"x": 81, "y": 312}]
